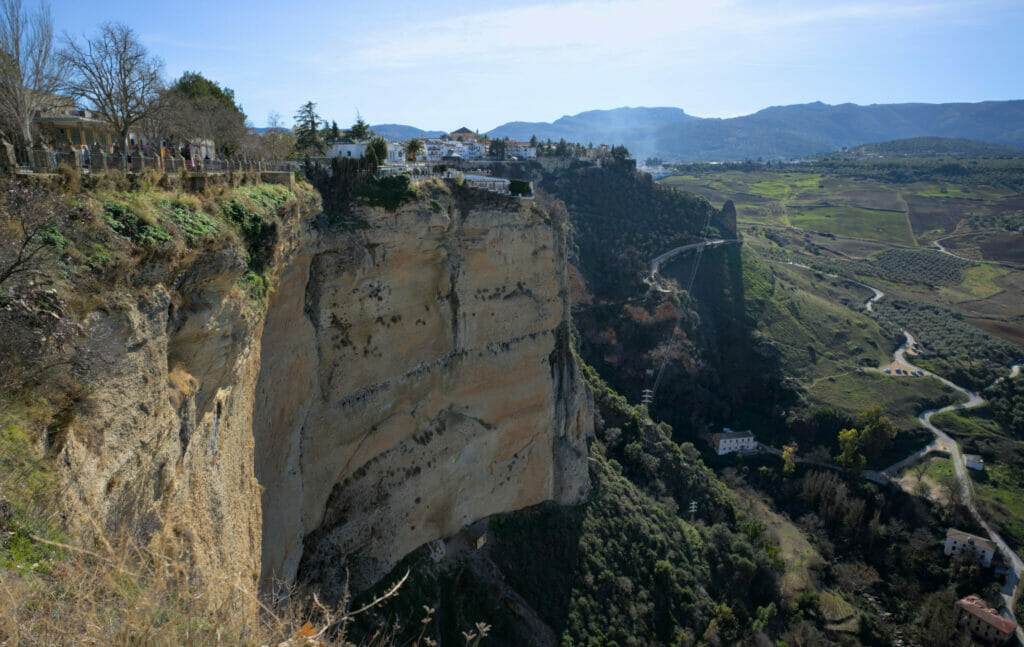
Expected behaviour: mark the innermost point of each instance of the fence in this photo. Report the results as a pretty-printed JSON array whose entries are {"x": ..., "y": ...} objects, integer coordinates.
[{"x": 42, "y": 160}]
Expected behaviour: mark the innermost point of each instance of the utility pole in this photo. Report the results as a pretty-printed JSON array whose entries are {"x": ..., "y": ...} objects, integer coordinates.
[
  {"x": 646, "y": 397},
  {"x": 693, "y": 510}
]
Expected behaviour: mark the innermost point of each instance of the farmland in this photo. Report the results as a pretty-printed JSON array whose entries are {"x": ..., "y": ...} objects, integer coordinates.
[{"x": 875, "y": 222}]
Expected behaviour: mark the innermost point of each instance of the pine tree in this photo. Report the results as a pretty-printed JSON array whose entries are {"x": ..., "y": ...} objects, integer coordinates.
[{"x": 307, "y": 132}]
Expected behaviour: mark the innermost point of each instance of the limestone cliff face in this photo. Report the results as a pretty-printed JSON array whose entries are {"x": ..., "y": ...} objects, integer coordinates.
[
  {"x": 416, "y": 377},
  {"x": 164, "y": 451},
  {"x": 406, "y": 379}
]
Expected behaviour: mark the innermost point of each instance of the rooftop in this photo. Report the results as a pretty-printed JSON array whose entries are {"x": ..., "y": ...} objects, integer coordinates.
[
  {"x": 967, "y": 537},
  {"x": 975, "y": 606},
  {"x": 729, "y": 433}
]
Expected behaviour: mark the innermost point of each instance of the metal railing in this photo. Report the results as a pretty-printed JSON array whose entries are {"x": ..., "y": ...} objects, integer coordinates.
[{"x": 42, "y": 160}]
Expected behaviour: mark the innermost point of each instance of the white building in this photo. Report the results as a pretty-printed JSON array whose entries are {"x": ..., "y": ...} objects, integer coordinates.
[
  {"x": 730, "y": 441},
  {"x": 974, "y": 462},
  {"x": 396, "y": 153},
  {"x": 978, "y": 548},
  {"x": 522, "y": 150},
  {"x": 348, "y": 148}
]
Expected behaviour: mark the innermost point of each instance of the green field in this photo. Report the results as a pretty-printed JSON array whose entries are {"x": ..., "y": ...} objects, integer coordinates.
[
  {"x": 854, "y": 222},
  {"x": 804, "y": 317},
  {"x": 998, "y": 488},
  {"x": 902, "y": 399},
  {"x": 997, "y": 492}
]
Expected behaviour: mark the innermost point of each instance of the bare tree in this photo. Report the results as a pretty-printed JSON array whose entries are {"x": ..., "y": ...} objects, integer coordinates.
[
  {"x": 31, "y": 71},
  {"x": 115, "y": 74},
  {"x": 27, "y": 217}
]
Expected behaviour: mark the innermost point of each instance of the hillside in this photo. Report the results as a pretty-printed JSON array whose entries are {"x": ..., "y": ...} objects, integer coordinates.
[
  {"x": 597, "y": 126},
  {"x": 916, "y": 147}
]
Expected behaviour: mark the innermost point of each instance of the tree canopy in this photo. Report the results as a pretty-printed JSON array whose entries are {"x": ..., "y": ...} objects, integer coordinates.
[
  {"x": 307, "y": 130},
  {"x": 115, "y": 74}
]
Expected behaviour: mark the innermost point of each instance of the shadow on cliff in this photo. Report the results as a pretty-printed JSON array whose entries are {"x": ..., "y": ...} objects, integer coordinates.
[
  {"x": 736, "y": 376},
  {"x": 519, "y": 581}
]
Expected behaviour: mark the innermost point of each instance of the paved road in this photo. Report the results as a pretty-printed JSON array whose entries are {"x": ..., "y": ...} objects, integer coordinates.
[
  {"x": 652, "y": 278},
  {"x": 945, "y": 443}
]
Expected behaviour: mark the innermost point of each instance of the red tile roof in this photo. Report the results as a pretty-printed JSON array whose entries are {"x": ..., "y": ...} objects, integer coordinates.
[{"x": 974, "y": 605}]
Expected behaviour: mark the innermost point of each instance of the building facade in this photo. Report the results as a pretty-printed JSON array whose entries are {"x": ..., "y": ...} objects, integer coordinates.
[
  {"x": 977, "y": 548},
  {"x": 730, "y": 441},
  {"x": 985, "y": 623}
]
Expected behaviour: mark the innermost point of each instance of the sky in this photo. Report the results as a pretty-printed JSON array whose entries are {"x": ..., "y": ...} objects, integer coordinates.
[{"x": 440, "y": 65}]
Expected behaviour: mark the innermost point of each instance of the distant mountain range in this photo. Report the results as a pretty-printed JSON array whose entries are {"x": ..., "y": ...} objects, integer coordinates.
[{"x": 779, "y": 132}]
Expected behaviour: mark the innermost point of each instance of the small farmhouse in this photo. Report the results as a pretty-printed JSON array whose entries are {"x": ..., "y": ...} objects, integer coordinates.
[
  {"x": 730, "y": 441},
  {"x": 974, "y": 462},
  {"x": 980, "y": 549},
  {"x": 985, "y": 623}
]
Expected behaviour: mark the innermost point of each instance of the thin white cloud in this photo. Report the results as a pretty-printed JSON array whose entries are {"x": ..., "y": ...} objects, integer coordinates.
[{"x": 578, "y": 32}]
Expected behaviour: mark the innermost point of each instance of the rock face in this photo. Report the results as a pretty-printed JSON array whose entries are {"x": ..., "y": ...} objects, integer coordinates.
[
  {"x": 416, "y": 377},
  {"x": 164, "y": 451},
  {"x": 407, "y": 378}
]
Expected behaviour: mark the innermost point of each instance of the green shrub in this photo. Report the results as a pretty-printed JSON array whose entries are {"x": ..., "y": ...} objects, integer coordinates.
[
  {"x": 519, "y": 187},
  {"x": 127, "y": 224},
  {"x": 194, "y": 225}
]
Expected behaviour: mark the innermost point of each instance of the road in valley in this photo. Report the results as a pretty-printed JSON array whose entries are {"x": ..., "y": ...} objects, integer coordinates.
[
  {"x": 943, "y": 442},
  {"x": 653, "y": 279}
]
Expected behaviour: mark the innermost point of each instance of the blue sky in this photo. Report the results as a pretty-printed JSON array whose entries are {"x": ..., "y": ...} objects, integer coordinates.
[{"x": 441, "y": 65}]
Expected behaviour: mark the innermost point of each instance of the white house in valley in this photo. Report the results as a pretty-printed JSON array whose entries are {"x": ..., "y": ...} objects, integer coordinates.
[
  {"x": 979, "y": 549},
  {"x": 730, "y": 441}
]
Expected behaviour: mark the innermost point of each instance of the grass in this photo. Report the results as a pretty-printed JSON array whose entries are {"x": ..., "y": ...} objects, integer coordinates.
[
  {"x": 902, "y": 399},
  {"x": 939, "y": 467},
  {"x": 998, "y": 488},
  {"x": 854, "y": 222},
  {"x": 979, "y": 282},
  {"x": 801, "y": 313},
  {"x": 949, "y": 190},
  {"x": 782, "y": 186},
  {"x": 798, "y": 555},
  {"x": 997, "y": 491}
]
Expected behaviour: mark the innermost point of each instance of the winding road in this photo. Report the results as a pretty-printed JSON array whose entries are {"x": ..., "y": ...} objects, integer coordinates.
[{"x": 943, "y": 442}]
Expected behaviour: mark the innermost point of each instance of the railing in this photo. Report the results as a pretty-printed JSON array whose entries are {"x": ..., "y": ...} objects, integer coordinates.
[{"x": 41, "y": 160}]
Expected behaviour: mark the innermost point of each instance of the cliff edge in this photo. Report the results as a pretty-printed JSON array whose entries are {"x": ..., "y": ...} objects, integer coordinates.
[{"x": 416, "y": 376}]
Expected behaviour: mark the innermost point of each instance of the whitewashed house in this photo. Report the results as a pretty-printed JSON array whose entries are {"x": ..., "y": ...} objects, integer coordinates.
[
  {"x": 979, "y": 549},
  {"x": 974, "y": 462},
  {"x": 348, "y": 148},
  {"x": 730, "y": 441},
  {"x": 522, "y": 150}
]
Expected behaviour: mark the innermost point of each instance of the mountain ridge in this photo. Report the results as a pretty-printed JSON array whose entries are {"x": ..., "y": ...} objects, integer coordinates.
[{"x": 796, "y": 130}]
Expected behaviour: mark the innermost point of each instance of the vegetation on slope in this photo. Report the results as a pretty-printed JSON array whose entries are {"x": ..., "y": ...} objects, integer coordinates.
[
  {"x": 627, "y": 566},
  {"x": 98, "y": 241},
  {"x": 622, "y": 221}
]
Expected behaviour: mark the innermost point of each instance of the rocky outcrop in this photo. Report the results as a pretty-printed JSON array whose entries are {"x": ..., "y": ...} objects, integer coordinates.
[
  {"x": 164, "y": 451},
  {"x": 417, "y": 376},
  {"x": 406, "y": 378}
]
